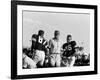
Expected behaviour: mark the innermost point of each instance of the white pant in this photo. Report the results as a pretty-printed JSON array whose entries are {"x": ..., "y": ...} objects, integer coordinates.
[
  {"x": 55, "y": 60},
  {"x": 71, "y": 61},
  {"x": 39, "y": 57},
  {"x": 28, "y": 62}
]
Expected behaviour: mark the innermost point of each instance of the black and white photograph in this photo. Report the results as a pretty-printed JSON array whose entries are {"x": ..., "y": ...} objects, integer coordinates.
[{"x": 53, "y": 39}]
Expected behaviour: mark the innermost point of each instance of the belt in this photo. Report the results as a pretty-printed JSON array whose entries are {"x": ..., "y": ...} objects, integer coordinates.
[{"x": 55, "y": 53}]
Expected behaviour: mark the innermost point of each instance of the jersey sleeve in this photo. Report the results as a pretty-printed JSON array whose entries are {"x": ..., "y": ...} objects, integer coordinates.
[
  {"x": 46, "y": 44},
  {"x": 63, "y": 47},
  {"x": 34, "y": 37}
]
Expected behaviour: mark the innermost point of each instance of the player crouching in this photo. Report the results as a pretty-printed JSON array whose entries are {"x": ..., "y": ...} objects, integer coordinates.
[{"x": 28, "y": 63}]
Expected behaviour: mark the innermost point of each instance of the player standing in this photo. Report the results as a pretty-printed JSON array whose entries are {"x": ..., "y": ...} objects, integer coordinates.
[
  {"x": 69, "y": 51},
  {"x": 55, "y": 49},
  {"x": 41, "y": 47}
]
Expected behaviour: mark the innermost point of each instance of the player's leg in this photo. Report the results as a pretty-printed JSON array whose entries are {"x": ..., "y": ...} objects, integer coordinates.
[
  {"x": 72, "y": 61},
  {"x": 40, "y": 64},
  {"x": 37, "y": 57},
  {"x": 67, "y": 61},
  {"x": 24, "y": 63},
  {"x": 52, "y": 60},
  {"x": 58, "y": 60},
  {"x": 42, "y": 58},
  {"x": 46, "y": 62},
  {"x": 31, "y": 63}
]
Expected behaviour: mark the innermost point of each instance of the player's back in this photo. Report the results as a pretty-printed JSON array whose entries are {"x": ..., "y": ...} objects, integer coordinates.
[{"x": 41, "y": 43}]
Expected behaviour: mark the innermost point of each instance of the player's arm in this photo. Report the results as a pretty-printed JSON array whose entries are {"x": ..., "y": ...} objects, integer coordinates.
[
  {"x": 50, "y": 46},
  {"x": 74, "y": 48},
  {"x": 74, "y": 43},
  {"x": 46, "y": 46},
  {"x": 33, "y": 39},
  {"x": 62, "y": 50},
  {"x": 63, "y": 47}
]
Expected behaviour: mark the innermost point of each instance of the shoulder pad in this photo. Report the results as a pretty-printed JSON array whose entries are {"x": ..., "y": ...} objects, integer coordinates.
[
  {"x": 34, "y": 36},
  {"x": 73, "y": 43}
]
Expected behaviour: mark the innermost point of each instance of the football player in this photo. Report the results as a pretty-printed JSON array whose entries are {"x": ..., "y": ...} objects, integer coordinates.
[
  {"x": 41, "y": 47},
  {"x": 55, "y": 50},
  {"x": 27, "y": 61},
  {"x": 69, "y": 51}
]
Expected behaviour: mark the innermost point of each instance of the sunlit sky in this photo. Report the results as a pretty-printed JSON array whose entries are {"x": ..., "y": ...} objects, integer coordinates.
[{"x": 78, "y": 25}]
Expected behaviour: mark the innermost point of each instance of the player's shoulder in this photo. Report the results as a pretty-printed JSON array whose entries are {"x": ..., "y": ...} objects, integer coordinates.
[
  {"x": 73, "y": 42},
  {"x": 34, "y": 36},
  {"x": 65, "y": 43}
]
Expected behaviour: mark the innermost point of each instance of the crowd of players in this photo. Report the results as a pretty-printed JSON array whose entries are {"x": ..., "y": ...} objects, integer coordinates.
[{"x": 43, "y": 53}]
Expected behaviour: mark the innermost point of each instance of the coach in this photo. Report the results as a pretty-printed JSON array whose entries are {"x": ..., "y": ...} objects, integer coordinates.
[{"x": 55, "y": 49}]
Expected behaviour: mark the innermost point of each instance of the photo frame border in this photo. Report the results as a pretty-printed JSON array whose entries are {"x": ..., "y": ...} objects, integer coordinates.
[{"x": 14, "y": 38}]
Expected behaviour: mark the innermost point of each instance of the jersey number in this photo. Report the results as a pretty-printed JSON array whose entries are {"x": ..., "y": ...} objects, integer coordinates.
[
  {"x": 40, "y": 40},
  {"x": 69, "y": 47}
]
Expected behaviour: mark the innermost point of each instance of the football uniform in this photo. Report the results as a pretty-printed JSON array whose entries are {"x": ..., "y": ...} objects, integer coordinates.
[
  {"x": 69, "y": 50},
  {"x": 41, "y": 44},
  {"x": 40, "y": 47}
]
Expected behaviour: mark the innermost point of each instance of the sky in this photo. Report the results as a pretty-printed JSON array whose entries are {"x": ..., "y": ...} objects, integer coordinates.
[{"x": 78, "y": 25}]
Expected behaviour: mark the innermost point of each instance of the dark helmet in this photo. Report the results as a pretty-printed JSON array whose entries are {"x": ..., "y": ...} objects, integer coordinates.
[
  {"x": 40, "y": 32},
  {"x": 34, "y": 35}
]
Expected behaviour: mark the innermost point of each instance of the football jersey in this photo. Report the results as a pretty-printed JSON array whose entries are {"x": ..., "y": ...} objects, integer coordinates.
[
  {"x": 40, "y": 43},
  {"x": 69, "y": 48}
]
